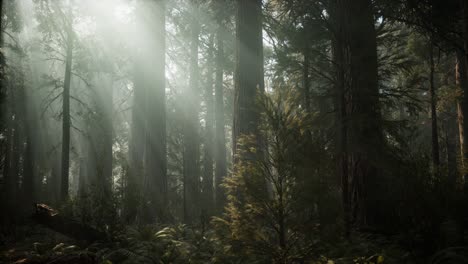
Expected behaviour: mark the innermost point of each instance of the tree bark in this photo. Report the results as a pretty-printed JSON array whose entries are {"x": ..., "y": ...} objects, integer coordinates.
[
  {"x": 66, "y": 120},
  {"x": 209, "y": 134},
  {"x": 463, "y": 102},
  {"x": 191, "y": 126},
  {"x": 156, "y": 159},
  {"x": 434, "y": 126},
  {"x": 363, "y": 130},
  {"x": 306, "y": 77},
  {"x": 249, "y": 71},
  {"x": 339, "y": 56},
  {"x": 220, "y": 137},
  {"x": 462, "y": 110}
]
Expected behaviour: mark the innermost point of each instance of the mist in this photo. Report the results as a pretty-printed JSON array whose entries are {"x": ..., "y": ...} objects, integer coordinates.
[{"x": 246, "y": 131}]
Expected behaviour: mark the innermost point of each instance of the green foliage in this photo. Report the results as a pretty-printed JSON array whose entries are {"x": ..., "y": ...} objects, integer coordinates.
[{"x": 263, "y": 214}]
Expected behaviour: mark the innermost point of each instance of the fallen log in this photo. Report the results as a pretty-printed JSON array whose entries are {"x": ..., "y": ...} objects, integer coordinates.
[{"x": 52, "y": 219}]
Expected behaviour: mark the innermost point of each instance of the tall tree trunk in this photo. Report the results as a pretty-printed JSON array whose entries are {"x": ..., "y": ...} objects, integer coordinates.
[
  {"x": 156, "y": 159},
  {"x": 7, "y": 160},
  {"x": 462, "y": 110},
  {"x": 340, "y": 54},
  {"x": 209, "y": 134},
  {"x": 66, "y": 120},
  {"x": 191, "y": 137},
  {"x": 103, "y": 142},
  {"x": 463, "y": 102},
  {"x": 363, "y": 127},
  {"x": 434, "y": 127},
  {"x": 306, "y": 77},
  {"x": 3, "y": 92},
  {"x": 249, "y": 70},
  {"x": 137, "y": 146},
  {"x": 146, "y": 191},
  {"x": 220, "y": 137}
]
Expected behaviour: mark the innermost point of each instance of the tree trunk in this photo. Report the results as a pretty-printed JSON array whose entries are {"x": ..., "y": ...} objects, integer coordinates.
[
  {"x": 137, "y": 146},
  {"x": 66, "y": 120},
  {"x": 463, "y": 102},
  {"x": 209, "y": 134},
  {"x": 364, "y": 138},
  {"x": 306, "y": 77},
  {"x": 191, "y": 137},
  {"x": 462, "y": 110},
  {"x": 102, "y": 137},
  {"x": 146, "y": 191},
  {"x": 339, "y": 56},
  {"x": 249, "y": 71},
  {"x": 434, "y": 127},
  {"x": 220, "y": 137}
]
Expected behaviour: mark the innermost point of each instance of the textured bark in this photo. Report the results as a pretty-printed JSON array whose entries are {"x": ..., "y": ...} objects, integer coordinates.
[
  {"x": 191, "y": 125},
  {"x": 17, "y": 140},
  {"x": 102, "y": 144},
  {"x": 362, "y": 109},
  {"x": 137, "y": 147},
  {"x": 7, "y": 160},
  {"x": 2, "y": 71},
  {"x": 434, "y": 126},
  {"x": 339, "y": 55},
  {"x": 462, "y": 110},
  {"x": 249, "y": 70},
  {"x": 220, "y": 137},
  {"x": 156, "y": 159},
  {"x": 29, "y": 170},
  {"x": 463, "y": 102},
  {"x": 248, "y": 84},
  {"x": 306, "y": 77},
  {"x": 66, "y": 119},
  {"x": 209, "y": 134}
]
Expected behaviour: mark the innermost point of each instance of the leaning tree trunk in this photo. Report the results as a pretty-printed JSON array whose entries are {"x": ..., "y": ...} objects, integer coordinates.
[
  {"x": 66, "y": 119},
  {"x": 191, "y": 125},
  {"x": 220, "y": 137}
]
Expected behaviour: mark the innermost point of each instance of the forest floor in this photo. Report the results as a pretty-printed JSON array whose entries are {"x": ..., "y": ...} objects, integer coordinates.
[{"x": 30, "y": 243}]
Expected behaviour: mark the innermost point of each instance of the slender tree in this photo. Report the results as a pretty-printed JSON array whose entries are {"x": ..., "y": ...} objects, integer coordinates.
[
  {"x": 208, "y": 152},
  {"x": 191, "y": 135},
  {"x": 434, "y": 127},
  {"x": 220, "y": 137},
  {"x": 462, "y": 109}
]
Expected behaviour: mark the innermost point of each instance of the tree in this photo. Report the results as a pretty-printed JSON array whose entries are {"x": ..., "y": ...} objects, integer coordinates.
[
  {"x": 220, "y": 137},
  {"x": 357, "y": 60},
  {"x": 66, "y": 119},
  {"x": 156, "y": 159},
  {"x": 191, "y": 136},
  {"x": 434, "y": 127},
  {"x": 266, "y": 227},
  {"x": 249, "y": 70},
  {"x": 209, "y": 133},
  {"x": 463, "y": 102}
]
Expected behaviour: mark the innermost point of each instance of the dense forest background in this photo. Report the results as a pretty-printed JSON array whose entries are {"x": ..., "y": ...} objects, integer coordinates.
[{"x": 234, "y": 131}]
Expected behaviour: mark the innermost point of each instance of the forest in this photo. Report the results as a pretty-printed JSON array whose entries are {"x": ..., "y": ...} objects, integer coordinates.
[{"x": 233, "y": 131}]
